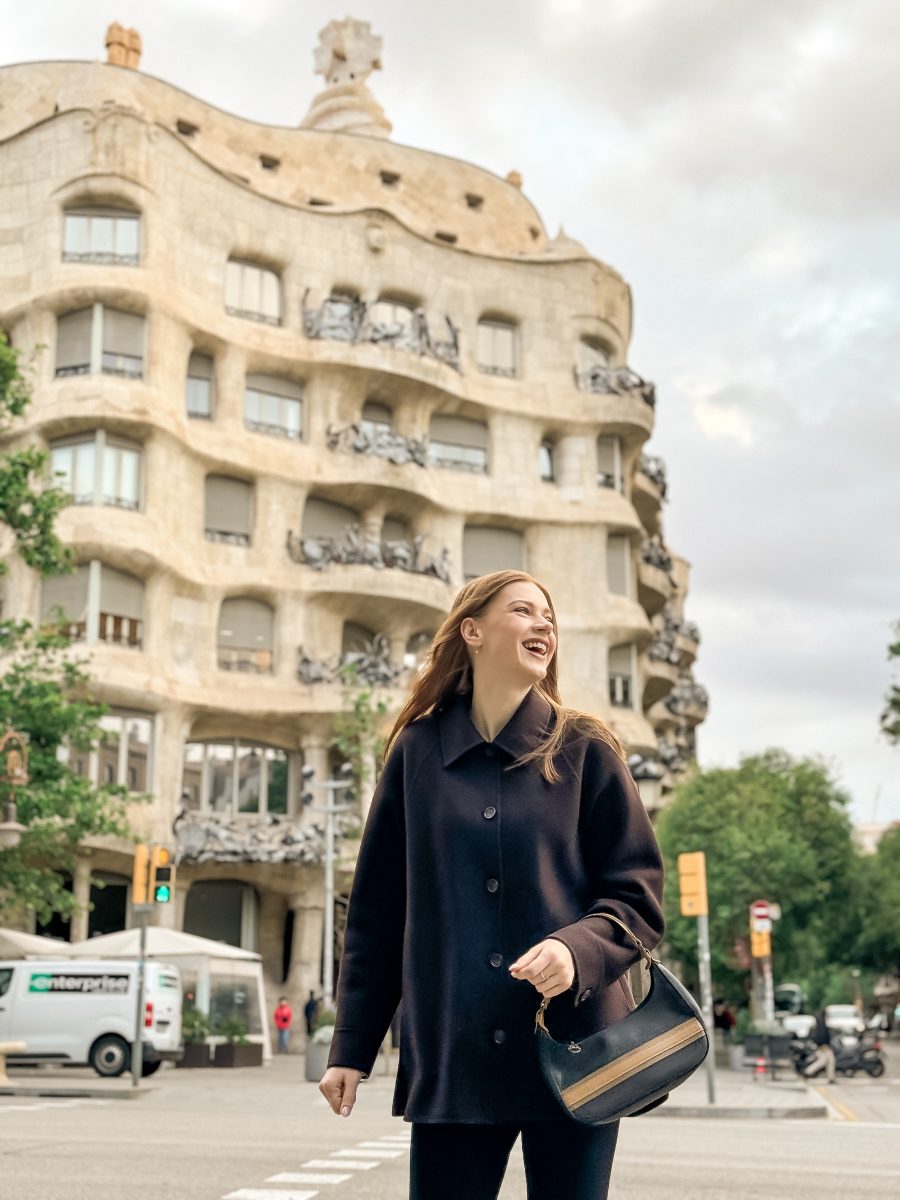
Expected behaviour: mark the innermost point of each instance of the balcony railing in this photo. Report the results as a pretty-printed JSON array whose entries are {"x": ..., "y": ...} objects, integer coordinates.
[
  {"x": 128, "y": 365},
  {"x": 346, "y": 319},
  {"x": 247, "y": 659},
  {"x": 686, "y": 696},
  {"x": 654, "y": 468},
  {"x": 353, "y": 548},
  {"x": 104, "y": 257},
  {"x": 605, "y": 380},
  {"x": 228, "y": 536},
  {"x": 357, "y": 439},
  {"x": 654, "y": 553},
  {"x": 120, "y": 631},
  {"x": 371, "y": 665}
]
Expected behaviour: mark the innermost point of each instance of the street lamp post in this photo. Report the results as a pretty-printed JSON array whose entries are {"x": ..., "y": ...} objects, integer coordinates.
[
  {"x": 331, "y": 809},
  {"x": 14, "y": 773}
]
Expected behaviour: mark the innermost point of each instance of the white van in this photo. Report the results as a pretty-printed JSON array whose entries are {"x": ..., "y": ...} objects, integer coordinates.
[{"x": 83, "y": 1011}]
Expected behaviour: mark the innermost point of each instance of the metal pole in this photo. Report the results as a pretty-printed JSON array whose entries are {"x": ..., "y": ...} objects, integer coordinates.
[
  {"x": 706, "y": 1001},
  {"x": 328, "y": 948},
  {"x": 137, "y": 1047}
]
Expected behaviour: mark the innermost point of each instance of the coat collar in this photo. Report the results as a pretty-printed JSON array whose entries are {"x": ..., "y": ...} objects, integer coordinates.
[{"x": 528, "y": 725}]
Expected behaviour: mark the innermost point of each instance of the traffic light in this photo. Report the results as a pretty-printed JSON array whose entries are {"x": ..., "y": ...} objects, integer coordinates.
[
  {"x": 162, "y": 876},
  {"x": 692, "y": 884},
  {"x": 139, "y": 874}
]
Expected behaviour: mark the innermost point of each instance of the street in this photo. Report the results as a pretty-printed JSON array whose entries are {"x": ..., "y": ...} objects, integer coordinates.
[{"x": 268, "y": 1135}]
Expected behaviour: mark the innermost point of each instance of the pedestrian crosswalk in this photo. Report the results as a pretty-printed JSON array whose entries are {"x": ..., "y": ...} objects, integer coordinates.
[{"x": 340, "y": 1166}]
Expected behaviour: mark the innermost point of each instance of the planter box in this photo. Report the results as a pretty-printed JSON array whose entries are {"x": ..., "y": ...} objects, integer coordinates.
[
  {"x": 316, "y": 1060},
  {"x": 249, "y": 1055},
  {"x": 196, "y": 1054}
]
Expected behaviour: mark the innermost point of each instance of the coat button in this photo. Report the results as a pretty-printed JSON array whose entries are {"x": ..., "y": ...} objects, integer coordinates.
[
  {"x": 492, "y": 885},
  {"x": 584, "y": 995},
  {"x": 499, "y": 1036},
  {"x": 496, "y": 960},
  {"x": 489, "y": 812}
]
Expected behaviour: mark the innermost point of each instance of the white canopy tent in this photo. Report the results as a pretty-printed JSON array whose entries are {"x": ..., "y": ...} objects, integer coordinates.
[
  {"x": 216, "y": 966},
  {"x": 15, "y": 944}
]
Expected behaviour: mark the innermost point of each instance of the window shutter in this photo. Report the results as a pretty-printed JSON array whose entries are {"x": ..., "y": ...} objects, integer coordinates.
[
  {"x": 70, "y": 592},
  {"x": 355, "y": 637},
  {"x": 458, "y": 431},
  {"x": 275, "y": 385},
  {"x": 121, "y": 594},
  {"x": 620, "y": 659},
  {"x": 73, "y": 339},
  {"x": 617, "y": 564},
  {"x": 394, "y": 529},
  {"x": 123, "y": 333},
  {"x": 486, "y": 549},
  {"x": 200, "y": 366},
  {"x": 246, "y": 624},
  {"x": 228, "y": 504},
  {"x": 378, "y": 414},
  {"x": 324, "y": 518}
]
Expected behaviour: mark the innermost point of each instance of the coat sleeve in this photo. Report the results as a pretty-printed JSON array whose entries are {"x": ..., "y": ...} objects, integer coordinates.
[
  {"x": 370, "y": 977},
  {"x": 625, "y": 872}
]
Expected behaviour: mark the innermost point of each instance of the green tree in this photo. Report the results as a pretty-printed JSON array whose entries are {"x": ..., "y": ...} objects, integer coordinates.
[
  {"x": 890, "y": 716},
  {"x": 880, "y": 934},
  {"x": 773, "y": 828},
  {"x": 43, "y": 689},
  {"x": 356, "y": 729}
]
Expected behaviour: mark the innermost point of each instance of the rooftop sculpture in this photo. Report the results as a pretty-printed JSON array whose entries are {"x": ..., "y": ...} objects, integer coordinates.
[{"x": 347, "y": 54}]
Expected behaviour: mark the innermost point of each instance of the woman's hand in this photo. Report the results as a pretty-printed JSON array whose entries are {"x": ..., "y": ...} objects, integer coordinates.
[
  {"x": 551, "y": 959},
  {"x": 338, "y": 1085}
]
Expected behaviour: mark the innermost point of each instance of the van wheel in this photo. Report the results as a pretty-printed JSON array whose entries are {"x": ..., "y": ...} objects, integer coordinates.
[
  {"x": 110, "y": 1056},
  {"x": 151, "y": 1068}
]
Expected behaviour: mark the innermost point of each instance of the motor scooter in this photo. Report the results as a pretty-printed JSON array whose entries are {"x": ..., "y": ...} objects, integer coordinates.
[{"x": 850, "y": 1055}]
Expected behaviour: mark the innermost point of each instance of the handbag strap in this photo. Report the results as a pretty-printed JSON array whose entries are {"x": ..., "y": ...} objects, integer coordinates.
[{"x": 645, "y": 953}]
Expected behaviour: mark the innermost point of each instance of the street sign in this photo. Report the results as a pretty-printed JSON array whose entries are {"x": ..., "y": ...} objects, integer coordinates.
[
  {"x": 761, "y": 925},
  {"x": 692, "y": 884},
  {"x": 759, "y": 910}
]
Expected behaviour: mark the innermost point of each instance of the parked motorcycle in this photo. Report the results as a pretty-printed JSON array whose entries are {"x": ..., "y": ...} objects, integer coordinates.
[{"x": 850, "y": 1055}]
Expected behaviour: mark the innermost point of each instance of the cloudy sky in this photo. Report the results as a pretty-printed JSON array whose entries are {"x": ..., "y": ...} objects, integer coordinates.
[{"x": 734, "y": 160}]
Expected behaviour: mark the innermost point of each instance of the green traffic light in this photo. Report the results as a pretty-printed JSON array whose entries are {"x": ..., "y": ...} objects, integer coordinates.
[{"x": 162, "y": 894}]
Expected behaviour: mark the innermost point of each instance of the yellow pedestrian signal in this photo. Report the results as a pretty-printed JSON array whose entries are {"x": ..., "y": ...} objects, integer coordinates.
[
  {"x": 692, "y": 884},
  {"x": 139, "y": 874},
  {"x": 162, "y": 876}
]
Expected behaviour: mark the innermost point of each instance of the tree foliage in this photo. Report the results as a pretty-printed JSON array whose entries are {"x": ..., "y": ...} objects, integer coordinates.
[
  {"x": 880, "y": 931},
  {"x": 890, "y": 715},
  {"x": 356, "y": 734},
  {"x": 774, "y": 828},
  {"x": 43, "y": 689}
]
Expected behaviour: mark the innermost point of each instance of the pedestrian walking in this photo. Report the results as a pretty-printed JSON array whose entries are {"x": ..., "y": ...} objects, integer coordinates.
[
  {"x": 284, "y": 1017},
  {"x": 502, "y": 827},
  {"x": 824, "y": 1056},
  {"x": 310, "y": 1009}
]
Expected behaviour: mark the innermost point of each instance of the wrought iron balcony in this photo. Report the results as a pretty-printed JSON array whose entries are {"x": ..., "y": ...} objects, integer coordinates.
[
  {"x": 654, "y": 553},
  {"x": 371, "y": 665},
  {"x": 654, "y": 468},
  {"x": 685, "y": 697},
  {"x": 359, "y": 439},
  {"x": 605, "y": 380},
  {"x": 354, "y": 548},
  {"x": 346, "y": 319}
]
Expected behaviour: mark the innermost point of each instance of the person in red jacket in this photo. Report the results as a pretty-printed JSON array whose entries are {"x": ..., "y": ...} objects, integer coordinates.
[{"x": 284, "y": 1016}]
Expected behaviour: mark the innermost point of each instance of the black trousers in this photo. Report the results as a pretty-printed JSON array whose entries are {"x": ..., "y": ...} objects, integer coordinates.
[{"x": 563, "y": 1160}]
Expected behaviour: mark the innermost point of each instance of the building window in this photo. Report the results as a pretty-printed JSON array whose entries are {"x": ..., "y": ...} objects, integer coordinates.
[
  {"x": 98, "y": 468},
  {"x": 458, "y": 442},
  {"x": 591, "y": 352},
  {"x": 395, "y": 529},
  {"x": 609, "y": 463},
  {"x": 102, "y": 235},
  {"x": 199, "y": 386},
  {"x": 274, "y": 405},
  {"x": 98, "y": 603},
  {"x": 545, "y": 462},
  {"x": 239, "y": 777},
  {"x": 228, "y": 510},
  {"x": 618, "y": 564},
  {"x": 497, "y": 347},
  {"x": 488, "y": 548},
  {"x": 391, "y": 321},
  {"x": 252, "y": 292},
  {"x": 376, "y": 419},
  {"x": 100, "y": 340},
  {"x": 245, "y": 636},
  {"x": 621, "y": 676},
  {"x": 327, "y": 519},
  {"x": 123, "y": 756}
]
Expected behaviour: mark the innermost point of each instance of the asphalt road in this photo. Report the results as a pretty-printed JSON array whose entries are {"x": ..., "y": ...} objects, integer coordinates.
[{"x": 206, "y": 1135}]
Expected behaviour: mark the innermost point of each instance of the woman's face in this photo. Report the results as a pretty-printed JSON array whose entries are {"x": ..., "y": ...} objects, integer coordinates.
[{"x": 517, "y": 618}]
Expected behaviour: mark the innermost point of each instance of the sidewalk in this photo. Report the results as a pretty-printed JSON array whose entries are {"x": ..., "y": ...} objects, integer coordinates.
[
  {"x": 68, "y": 1082},
  {"x": 739, "y": 1095}
]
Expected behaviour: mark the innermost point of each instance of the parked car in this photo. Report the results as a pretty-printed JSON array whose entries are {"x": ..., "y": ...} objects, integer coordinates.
[
  {"x": 83, "y": 1012},
  {"x": 845, "y": 1019},
  {"x": 798, "y": 1024}
]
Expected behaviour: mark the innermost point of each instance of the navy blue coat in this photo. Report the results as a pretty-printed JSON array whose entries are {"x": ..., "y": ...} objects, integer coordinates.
[{"x": 463, "y": 866}]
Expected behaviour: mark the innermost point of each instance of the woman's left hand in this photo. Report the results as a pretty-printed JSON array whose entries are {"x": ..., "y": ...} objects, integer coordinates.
[{"x": 551, "y": 959}]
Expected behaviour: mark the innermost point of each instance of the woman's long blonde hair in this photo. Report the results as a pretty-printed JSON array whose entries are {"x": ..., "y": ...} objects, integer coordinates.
[{"x": 448, "y": 669}]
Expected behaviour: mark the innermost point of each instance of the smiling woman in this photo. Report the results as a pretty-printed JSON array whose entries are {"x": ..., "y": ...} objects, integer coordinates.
[{"x": 502, "y": 821}]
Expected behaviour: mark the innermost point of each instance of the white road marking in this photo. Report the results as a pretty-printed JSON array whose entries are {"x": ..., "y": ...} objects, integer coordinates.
[
  {"x": 307, "y": 1177},
  {"x": 381, "y": 1148},
  {"x": 45, "y": 1104},
  {"x": 356, "y": 1152},
  {"x": 345, "y": 1164},
  {"x": 268, "y": 1194}
]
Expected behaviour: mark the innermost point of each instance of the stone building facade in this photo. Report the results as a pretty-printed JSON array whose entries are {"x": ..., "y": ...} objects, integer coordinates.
[{"x": 302, "y": 383}]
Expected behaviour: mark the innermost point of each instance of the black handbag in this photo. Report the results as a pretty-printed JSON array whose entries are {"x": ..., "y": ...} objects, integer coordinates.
[{"x": 628, "y": 1067}]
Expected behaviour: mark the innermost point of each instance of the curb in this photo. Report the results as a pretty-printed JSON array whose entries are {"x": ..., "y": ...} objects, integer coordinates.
[{"x": 69, "y": 1093}]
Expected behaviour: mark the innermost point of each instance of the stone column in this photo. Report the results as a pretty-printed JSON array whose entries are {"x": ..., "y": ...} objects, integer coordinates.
[
  {"x": 305, "y": 971},
  {"x": 572, "y": 465},
  {"x": 81, "y": 889}
]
